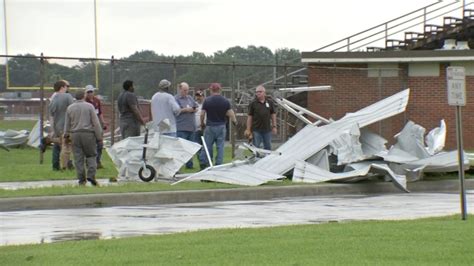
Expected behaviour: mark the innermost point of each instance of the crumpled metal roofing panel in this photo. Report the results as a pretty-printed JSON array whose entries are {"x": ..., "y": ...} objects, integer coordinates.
[
  {"x": 308, "y": 173},
  {"x": 312, "y": 139},
  {"x": 166, "y": 154},
  {"x": 246, "y": 175}
]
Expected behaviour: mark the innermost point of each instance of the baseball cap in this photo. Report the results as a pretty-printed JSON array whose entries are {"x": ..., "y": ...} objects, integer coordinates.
[
  {"x": 164, "y": 84},
  {"x": 89, "y": 88},
  {"x": 215, "y": 86}
]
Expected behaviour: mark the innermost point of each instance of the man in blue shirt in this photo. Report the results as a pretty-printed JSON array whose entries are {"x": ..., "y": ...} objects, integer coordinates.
[{"x": 215, "y": 110}]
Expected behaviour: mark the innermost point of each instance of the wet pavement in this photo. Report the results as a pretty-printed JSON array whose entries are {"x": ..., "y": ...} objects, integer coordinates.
[{"x": 43, "y": 226}]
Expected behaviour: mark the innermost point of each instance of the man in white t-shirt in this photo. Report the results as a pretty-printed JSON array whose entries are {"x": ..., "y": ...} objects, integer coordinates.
[{"x": 164, "y": 106}]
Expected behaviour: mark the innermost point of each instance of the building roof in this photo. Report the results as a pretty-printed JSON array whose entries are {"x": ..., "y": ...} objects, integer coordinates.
[{"x": 388, "y": 56}]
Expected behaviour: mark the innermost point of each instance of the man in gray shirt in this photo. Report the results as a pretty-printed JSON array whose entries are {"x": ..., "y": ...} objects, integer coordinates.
[
  {"x": 57, "y": 110},
  {"x": 186, "y": 121},
  {"x": 82, "y": 126}
]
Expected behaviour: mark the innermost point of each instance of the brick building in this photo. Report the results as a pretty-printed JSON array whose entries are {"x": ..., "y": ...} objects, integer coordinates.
[{"x": 361, "y": 78}]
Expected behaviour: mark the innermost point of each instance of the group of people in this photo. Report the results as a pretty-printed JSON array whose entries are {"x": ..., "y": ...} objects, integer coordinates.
[
  {"x": 190, "y": 118},
  {"x": 78, "y": 126},
  {"x": 78, "y": 123}
]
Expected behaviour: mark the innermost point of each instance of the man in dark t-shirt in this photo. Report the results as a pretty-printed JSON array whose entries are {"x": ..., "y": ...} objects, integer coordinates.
[
  {"x": 215, "y": 110},
  {"x": 261, "y": 112},
  {"x": 130, "y": 117}
]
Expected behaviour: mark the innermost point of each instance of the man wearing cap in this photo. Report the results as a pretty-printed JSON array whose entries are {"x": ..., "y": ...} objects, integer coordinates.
[
  {"x": 95, "y": 101},
  {"x": 186, "y": 121},
  {"x": 215, "y": 109},
  {"x": 130, "y": 117},
  {"x": 164, "y": 107},
  {"x": 82, "y": 126}
]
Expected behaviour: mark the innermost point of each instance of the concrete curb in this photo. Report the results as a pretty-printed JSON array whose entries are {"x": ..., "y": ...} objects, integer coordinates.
[{"x": 253, "y": 193}]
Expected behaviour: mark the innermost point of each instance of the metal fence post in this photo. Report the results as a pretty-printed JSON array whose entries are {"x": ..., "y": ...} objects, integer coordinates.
[
  {"x": 41, "y": 118},
  {"x": 233, "y": 130},
  {"x": 380, "y": 84},
  {"x": 112, "y": 123},
  {"x": 175, "y": 84},
  {"x": 285, "y": 128}
]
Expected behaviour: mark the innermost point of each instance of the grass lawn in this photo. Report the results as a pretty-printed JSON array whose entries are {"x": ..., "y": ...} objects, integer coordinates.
[
  {"x": 23, "y": 165},
  {"x": 17, "y": 124},
  {"x": 433, "y": 241}
]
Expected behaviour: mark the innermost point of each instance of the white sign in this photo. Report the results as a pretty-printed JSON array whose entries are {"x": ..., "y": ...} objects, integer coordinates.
[{"x": 456, "y": 77}]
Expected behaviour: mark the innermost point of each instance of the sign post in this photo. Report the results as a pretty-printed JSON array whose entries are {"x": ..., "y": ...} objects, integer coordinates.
[{"x": 456, "y": 79}]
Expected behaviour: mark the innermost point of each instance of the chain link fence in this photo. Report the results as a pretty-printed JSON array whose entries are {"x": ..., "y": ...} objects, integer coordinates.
[{"x": 26, "y": 85}]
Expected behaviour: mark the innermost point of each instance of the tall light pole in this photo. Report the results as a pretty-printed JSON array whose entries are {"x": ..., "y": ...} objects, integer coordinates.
[
  {"x": 96, "y": 46},
  {"x": 7, "y": 78}
]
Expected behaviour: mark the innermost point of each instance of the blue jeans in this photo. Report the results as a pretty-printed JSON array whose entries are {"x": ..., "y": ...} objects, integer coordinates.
[
  {"x": 214, "y": 134},
  {"x": 260, "y": 137},
  {"x": 197, "y": 139},
  {"x": 187, "y": 135}
]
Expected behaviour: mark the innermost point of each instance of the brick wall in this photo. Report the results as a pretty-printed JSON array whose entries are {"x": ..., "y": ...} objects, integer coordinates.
[{"x": 353, "y": 90}]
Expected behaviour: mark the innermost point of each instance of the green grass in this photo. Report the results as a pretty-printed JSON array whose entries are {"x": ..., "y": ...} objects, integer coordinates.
[
  {"x": 23, "y": 164},
  {"x": 17, "y": 124},
  {"x": 433, "y": 241}
]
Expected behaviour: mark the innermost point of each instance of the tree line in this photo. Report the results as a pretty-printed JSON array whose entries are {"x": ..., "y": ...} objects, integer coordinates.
[{"x": 25, "y": 72}]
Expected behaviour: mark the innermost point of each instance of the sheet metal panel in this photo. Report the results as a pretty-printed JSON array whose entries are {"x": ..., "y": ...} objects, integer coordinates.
[
  {"x": 312, "y": 139},
  {"x": 308, "y": 173},
  {"x": 245, "y": 175},
  {"x": 164, "y": 153}
]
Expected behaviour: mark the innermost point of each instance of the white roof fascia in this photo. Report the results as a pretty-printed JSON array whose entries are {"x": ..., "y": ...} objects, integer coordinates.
[
  {"x": 312, "y": 139},
  {"x": 387, "y": 60},
  {"x": 312, "y": 88}
]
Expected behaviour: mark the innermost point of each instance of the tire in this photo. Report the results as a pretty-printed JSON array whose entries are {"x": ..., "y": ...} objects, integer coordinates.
[{"x": 142, "y": 172}]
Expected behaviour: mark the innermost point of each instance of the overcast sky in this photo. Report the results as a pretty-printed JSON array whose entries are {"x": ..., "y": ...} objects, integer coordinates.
[{"x": 179, "y": 27}]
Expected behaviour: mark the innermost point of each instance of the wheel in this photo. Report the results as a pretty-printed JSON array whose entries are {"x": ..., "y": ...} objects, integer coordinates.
[{"x": 147, "y": 174}]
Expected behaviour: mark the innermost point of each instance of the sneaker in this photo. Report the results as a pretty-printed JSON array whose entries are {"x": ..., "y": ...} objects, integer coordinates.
[{"x": 93, "y": 182}]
